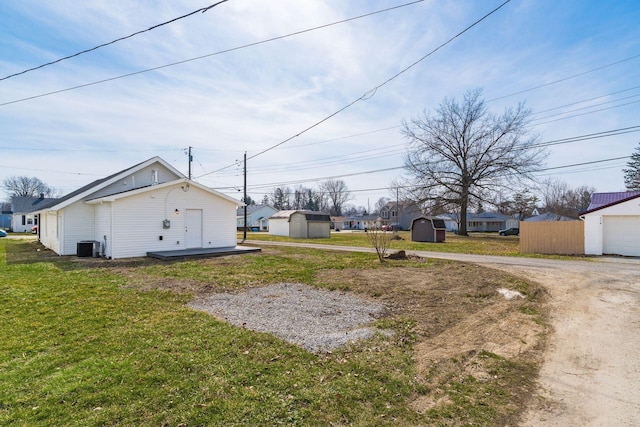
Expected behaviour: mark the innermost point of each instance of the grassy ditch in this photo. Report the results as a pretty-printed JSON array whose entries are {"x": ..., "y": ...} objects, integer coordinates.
[{"x": 93, "y": 342}]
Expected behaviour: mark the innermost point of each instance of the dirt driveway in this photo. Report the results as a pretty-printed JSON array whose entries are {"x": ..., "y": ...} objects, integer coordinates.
[{"x": 591, "y": 373}]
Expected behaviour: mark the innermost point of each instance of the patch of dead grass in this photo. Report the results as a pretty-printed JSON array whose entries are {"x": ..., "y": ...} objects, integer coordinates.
[{"x": 460, "y": 317}]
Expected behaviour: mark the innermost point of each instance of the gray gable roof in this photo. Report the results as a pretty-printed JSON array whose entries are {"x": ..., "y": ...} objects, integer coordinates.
[
  {"x": 489, "y": 216},
  {"x": 25, "y": 205},
  {"x": 95, "y": 184}
]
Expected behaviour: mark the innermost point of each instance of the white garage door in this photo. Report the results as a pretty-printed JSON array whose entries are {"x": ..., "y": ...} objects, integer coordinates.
[{"x": 621, "y": 235}]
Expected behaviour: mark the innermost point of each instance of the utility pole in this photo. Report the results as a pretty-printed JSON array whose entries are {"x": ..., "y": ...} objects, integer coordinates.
[
  {"x": 397, "y": 208},
  {"x": 244, "y": 236},
  {"x": 190, "y": 160}
]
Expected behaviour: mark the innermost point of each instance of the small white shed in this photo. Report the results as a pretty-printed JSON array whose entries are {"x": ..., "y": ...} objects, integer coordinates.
[
  {"x": 300, "y": 224},
  {"x": 612, "y": 224}
]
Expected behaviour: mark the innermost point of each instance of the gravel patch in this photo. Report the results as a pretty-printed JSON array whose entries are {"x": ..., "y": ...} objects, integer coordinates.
[{"x": 318, "y": 320}]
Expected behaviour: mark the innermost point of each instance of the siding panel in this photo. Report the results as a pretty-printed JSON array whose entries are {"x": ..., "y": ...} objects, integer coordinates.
[
  {"x": 77, "y": 225},
  {"x": 138, "y": 221}
]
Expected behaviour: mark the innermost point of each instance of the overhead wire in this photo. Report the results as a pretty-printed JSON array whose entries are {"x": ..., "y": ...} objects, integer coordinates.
[
  {"x": 586, "y": 100},
  {"x": 370, "y": 92},
  {"x": 172, "y": 64},
  {"x": 590, "y": 112},
  {"x": 327, "y": 161},
  {"x": 202, "y": 10},
  {"x": 255, "y": 188},
  {"x": 566, "y": 78}
]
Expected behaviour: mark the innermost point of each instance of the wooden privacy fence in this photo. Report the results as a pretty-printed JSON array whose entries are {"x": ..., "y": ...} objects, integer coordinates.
[{"x": 552, "y": 237}]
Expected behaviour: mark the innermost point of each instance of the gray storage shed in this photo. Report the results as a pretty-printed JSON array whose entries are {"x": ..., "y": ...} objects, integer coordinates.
[
  {"x": 427, "y": 229},
  {"x": 300, "y": 224}
]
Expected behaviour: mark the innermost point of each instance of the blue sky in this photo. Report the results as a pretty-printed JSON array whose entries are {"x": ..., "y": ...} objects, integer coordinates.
[{"x": 574, "y": 63}]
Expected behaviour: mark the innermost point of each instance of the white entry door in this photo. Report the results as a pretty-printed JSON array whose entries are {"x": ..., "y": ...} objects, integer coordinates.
[{"x": 193, "y": 228}]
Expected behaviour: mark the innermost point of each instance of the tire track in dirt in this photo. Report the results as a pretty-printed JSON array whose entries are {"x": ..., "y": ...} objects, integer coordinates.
[{"x": 591, "y": 372}]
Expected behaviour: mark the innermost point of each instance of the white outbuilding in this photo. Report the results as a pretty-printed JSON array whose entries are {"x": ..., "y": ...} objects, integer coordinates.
[
  {"x": 612, "y": 224},
  {"x": 300, "y": 224},
  {"x": 148, "y": 207}
]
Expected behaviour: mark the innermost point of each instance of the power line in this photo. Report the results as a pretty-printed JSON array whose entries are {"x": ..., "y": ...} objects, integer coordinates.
[
  {"x": 566, "y": 78},
  {"x": 257, "y": 187},
  {"x": 47, "y": 170},
  {"x": 591, "y": 106},
  {"x": 585, "y": 163},
  {"x": 202, "y": 9},
  {"x": 292, "y": 166},
  {"x": 135, "y": 73},
  {"x": 587, "y": 100},
  {"x": 371, "y": 92},
  {"x": 584, "y": 114},
  {"x": 91, "y": 150}
]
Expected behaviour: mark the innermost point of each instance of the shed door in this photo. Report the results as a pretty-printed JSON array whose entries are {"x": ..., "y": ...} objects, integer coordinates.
[
  {"x": 193, "y": 228},
  {"x": 621, "y": 235}
]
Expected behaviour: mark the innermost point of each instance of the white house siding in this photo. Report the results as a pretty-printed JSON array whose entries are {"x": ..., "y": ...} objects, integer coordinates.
[
  {"x": 103, "y": 227},
  {"x": 256, "y": 218},
  {"x": 49, "y": 235},
  {"x": 78, "y": 224},
  {"x": 279, "y": 226},
  {"x": 593, "y": 235},
  {"x": 613, "y": 230},
  {"x": 138, "y": 221},
  {"x": 141, "y": 178},
  {"x": 17, "y": 222}
]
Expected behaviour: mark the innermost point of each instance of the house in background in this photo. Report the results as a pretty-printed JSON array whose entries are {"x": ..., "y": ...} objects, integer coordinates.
[
  {"x": 341, "y": 223},
  {"x": 548, "y": 216},
  {"x": 5, "y": 216},
  {"x": 399, "y": 215},
  {"x": 148, "y": 207},
  {"x": 490, "y": 222},
  {"x": 451, "y": 222},
  {"x": 612, "y": 224},
  {"x": 370, "y": 222},
  {"x": 257, "y": 217},
  {"x": 23, "y": 209},
  {"x": 300, "y": 224},
  {"x": 356, "y": 222}
]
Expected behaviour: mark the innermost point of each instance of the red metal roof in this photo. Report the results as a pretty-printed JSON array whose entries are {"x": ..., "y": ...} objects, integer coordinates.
[{"x": 601, "y": 200}]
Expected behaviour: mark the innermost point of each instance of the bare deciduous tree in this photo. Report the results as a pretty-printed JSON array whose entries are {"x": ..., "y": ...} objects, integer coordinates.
[
  {"x": 559, "y": 199},
  {"x": 380, "y": 240},
  {"x": 464, "y": 154},
  {"x": 380, "y": 203},
  {"x": 24, "y": 186},
  {"x": 520, "y": 204},
  {"x": 338, "y": 194}
]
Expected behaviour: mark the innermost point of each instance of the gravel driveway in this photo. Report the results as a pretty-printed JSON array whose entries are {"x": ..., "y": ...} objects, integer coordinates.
[
  {"x": 315, "y": 319},
  {"x": 591, "y": 372}
]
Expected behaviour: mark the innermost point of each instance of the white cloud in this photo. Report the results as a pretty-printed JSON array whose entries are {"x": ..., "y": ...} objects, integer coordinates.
[{"x": 251, "y": 99}]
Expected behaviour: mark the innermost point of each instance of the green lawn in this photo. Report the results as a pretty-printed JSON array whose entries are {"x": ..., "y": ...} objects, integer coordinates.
[
  {"x": 84, "y": 344},
  {"x": 475, "y": 243}
]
